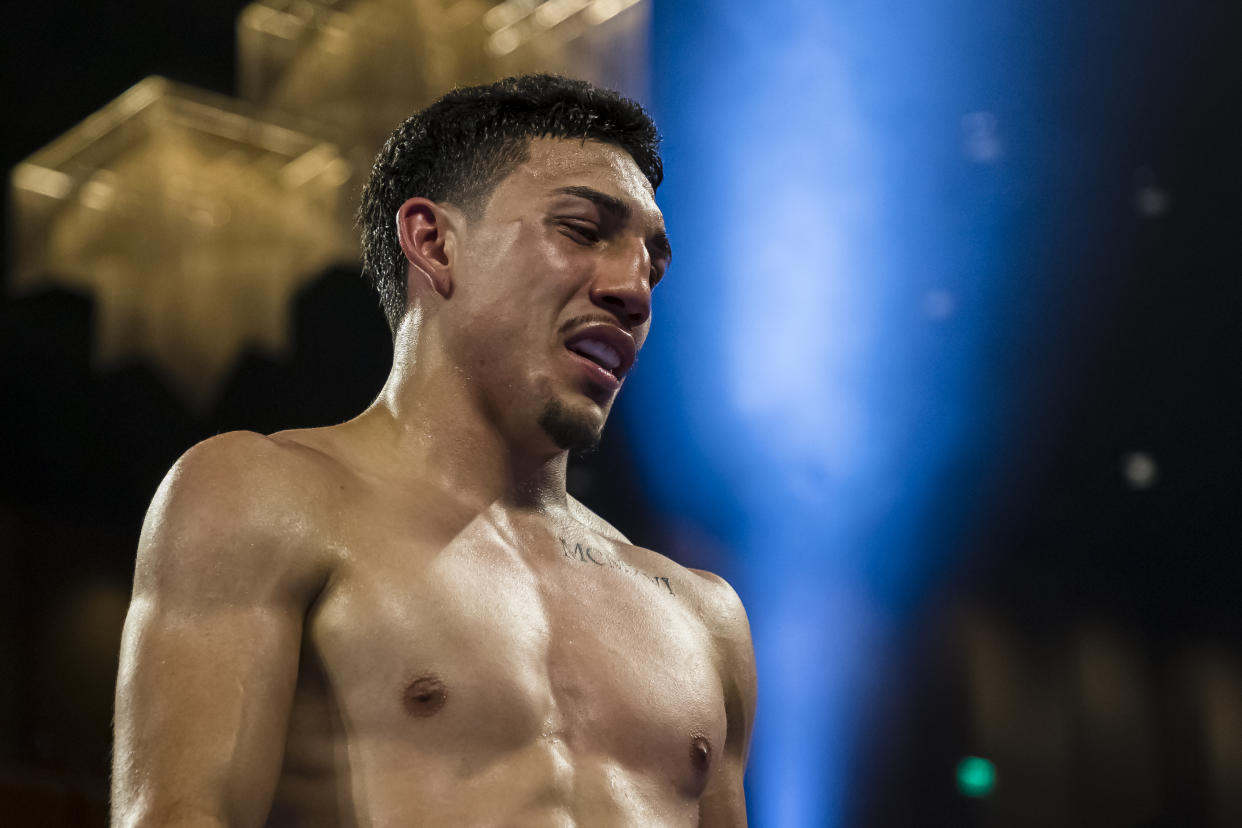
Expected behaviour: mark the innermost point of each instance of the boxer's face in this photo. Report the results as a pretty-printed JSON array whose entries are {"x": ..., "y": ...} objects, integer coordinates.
[{"x": 552, "y": 289}]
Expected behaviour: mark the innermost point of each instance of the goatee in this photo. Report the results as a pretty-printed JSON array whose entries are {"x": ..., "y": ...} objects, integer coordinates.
[{"x": 571, "y": 430}]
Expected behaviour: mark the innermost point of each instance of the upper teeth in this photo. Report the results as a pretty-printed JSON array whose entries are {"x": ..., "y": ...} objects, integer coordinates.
[{"x": 600, "y": 352}]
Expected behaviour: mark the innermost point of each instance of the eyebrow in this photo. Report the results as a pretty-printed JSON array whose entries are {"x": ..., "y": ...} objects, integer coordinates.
[{"x": 620, "y": 211}]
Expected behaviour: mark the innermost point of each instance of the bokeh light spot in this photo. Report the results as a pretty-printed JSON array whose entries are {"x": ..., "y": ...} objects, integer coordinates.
[
  {"x": 1140, "y": 470},
  {"x": 976, "y": 776}
]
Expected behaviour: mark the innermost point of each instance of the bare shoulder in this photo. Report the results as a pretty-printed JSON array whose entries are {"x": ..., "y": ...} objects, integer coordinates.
[
  {"x": 240, "y": 500},
  {"x": 725, "y": 618},
  {"x": 246, "y": 479},
  {"x": 720, "y": 604},
  {"x": 248, "y": 453}
]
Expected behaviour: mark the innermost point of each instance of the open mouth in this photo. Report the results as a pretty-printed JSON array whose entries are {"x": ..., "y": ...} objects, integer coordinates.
[
  {"x": 603, "y": 381},
  {"x": 605, "y": 346},
  {"x": 601, "y": 353}
]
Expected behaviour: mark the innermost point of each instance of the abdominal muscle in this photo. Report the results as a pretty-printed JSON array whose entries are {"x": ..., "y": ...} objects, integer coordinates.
[{"x": 545, "y": 784}]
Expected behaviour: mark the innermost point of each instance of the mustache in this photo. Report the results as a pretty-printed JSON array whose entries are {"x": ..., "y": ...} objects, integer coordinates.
[{"x": 591, "y": 318}]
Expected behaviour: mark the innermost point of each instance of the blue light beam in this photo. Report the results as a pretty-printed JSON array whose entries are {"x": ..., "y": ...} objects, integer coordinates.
[{"x": 840, "y": 195}]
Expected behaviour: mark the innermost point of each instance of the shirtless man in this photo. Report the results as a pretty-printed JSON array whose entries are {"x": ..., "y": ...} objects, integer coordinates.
[{"x": 404, "y": 620}]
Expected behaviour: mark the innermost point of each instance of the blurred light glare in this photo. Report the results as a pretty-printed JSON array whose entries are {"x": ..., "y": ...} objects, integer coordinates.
[
  {"x": 602, "y": 10},
  {"x": 555, "y": 12},
  {"x": 506, "y": 14},
  {"x": 45, "y": 182},
  {"x": 1140, "y": 470},
  {"x": 981, "y": 143},
  {"x": 976, "y": 776},
  {"x": 938, "y": 304},
  {"x": 98, "y": 193},
  {"x": 1150, "y": 200},
  {"x": 503, "y": 42}
]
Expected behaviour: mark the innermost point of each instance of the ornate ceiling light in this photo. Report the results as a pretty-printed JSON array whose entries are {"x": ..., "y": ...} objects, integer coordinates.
[{"x": 191, "y": 222}]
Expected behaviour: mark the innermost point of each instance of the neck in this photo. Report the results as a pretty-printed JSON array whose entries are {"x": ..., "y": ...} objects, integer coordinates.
[{"x": 431, "y": 426}]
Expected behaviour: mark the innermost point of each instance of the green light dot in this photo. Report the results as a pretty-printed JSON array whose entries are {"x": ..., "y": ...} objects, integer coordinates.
[{"x": 976, "y": 776}]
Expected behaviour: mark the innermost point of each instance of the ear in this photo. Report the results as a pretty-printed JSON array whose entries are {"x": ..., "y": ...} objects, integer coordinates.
[{"x": 426, "y": 233}]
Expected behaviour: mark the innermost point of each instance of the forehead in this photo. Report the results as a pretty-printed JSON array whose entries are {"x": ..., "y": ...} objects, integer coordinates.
[{"x": 556, "y": 163}]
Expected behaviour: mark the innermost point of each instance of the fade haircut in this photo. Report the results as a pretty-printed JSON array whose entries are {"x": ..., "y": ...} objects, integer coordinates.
[{"x": 458, "y": 149}]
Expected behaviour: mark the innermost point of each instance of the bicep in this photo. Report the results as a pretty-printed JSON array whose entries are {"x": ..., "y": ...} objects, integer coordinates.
[
  {"x": 202, "y": 703},
  {"x": 209, "y": 655}
]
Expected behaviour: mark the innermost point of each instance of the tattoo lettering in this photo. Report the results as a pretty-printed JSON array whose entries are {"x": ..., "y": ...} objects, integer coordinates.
[{"x": 582, "y": 553}]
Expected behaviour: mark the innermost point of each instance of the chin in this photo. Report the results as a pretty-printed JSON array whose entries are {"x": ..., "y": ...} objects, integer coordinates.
[{"x": 572, "y": 428}]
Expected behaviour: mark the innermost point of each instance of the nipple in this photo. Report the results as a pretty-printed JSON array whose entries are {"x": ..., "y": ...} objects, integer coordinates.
[
  {"x": 700, "y": 752},
  {"x": 424, "y": 696}
]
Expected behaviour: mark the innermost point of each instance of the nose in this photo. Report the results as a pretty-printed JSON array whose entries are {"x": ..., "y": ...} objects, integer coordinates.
[{"x": 623, "y": 285}]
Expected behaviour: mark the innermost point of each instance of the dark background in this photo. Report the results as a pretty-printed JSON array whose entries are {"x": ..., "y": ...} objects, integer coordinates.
[{"x": 1151, "y": 366}]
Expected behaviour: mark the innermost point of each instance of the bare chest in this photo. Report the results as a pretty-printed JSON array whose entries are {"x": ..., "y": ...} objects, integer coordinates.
[{"x": 483, "y": 646}]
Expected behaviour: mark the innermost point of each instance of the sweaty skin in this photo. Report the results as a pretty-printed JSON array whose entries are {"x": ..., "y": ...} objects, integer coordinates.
[{"x": 403, "y": 620}]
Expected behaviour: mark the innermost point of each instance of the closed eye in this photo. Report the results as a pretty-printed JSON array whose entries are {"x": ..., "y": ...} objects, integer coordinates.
[
  {"x": 580, "y": 232},
  {"x": 588, "y": 234}
]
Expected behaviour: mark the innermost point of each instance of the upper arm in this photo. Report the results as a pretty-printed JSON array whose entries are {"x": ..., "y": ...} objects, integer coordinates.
[
  {"x": 209, "y": 653},
  {"x": 724, "y": 801}
]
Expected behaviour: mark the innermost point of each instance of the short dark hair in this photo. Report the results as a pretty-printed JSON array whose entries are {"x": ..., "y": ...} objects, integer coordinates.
[{"x": 458, "y": 149}]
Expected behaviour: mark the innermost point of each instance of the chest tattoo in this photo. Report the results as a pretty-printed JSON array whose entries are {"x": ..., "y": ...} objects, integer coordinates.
[{"x": 582, "y": 553}]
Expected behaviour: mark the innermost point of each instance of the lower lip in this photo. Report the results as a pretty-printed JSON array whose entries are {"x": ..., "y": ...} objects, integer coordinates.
[{"x": 597, "y": 374}]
